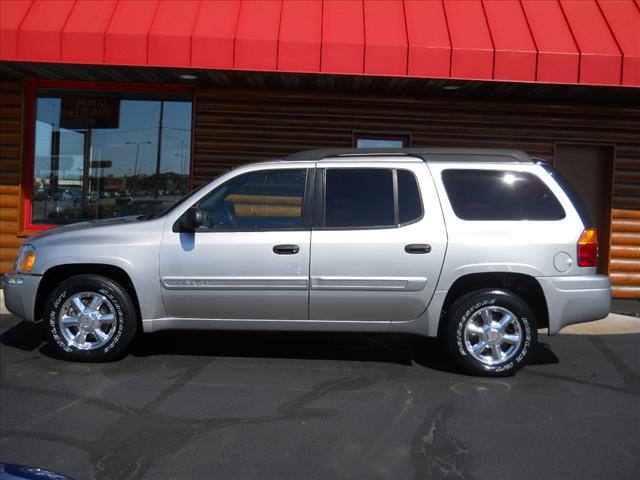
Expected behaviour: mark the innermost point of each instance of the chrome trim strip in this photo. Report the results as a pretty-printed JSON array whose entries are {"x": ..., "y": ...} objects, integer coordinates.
[
  {"x": 235, "y": 283},
  {"x": 407, "y": 284}
]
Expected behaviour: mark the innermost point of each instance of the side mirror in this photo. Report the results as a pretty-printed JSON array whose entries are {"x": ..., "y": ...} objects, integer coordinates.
[{"x": 192, "y": 219}]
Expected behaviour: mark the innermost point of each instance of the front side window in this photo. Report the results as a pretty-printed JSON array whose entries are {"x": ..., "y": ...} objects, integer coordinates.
[
  {"x": 262, "y": 200},
  {"x": 107, "y": 154},
  {"x": 500, "y": 195}
]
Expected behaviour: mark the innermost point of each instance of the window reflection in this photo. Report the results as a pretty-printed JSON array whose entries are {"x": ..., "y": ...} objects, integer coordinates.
[{"x": 102, "y": 156}]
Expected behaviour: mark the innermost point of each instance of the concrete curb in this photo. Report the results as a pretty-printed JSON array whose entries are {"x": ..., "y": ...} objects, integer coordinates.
[
  {"x": 3, "y": 308},
  {"x": 612, "y": 325}
]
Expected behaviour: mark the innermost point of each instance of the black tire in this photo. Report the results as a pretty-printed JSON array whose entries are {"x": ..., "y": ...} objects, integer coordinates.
[
  {"x": 500, "y": 355},
  {"x": 116, "y": 304}
]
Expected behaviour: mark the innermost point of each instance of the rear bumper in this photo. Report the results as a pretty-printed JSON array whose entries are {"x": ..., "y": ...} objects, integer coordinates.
[
  {"x": 575, "y": 299},
  {"x": 20, "y": 294}
]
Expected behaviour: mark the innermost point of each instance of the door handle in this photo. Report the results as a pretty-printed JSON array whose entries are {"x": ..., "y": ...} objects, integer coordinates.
[
  {"x": 286, "y": 249},
  {"x": 417, "y": 248}
]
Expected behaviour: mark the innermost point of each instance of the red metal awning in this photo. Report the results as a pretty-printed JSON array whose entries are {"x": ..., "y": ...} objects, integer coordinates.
[{"x": 552, "y": 41}]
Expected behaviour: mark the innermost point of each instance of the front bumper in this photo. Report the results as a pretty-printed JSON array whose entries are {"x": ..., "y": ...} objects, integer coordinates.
[
  {"x": 576, "y": 299},
  {"x": 20, "y": 294}
]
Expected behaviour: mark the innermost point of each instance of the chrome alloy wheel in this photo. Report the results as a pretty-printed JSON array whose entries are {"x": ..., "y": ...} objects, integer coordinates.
[
  {"x": 87, "y": 320},
  {"x": 493, "y": 335}
]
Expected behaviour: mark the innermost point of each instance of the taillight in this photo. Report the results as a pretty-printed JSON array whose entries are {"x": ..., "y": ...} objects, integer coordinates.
[{"x": 588, "y": 248}]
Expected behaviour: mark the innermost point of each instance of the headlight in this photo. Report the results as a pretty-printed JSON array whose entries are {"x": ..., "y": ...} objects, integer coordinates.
[{"x": 26, "y": 259}]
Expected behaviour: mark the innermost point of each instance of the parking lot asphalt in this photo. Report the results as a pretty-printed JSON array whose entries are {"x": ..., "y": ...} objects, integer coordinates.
[{"x": 200, "y": 405}]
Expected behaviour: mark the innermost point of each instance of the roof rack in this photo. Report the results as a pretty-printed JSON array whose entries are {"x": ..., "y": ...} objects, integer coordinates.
[{"x": 426, "y": 154}]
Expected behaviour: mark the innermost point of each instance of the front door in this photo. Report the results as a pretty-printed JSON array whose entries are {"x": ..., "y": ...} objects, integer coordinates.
[
  {"x": 378, "y": 243},
  {"x": 249, "y": 259}
]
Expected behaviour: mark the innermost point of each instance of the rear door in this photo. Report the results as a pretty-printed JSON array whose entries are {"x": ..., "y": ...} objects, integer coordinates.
[{"x": 378, "y": 241}]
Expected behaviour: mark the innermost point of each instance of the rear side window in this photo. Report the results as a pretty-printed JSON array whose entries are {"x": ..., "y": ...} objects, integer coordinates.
[
  {"x": 363, "y": 198},
  {"x": 500, "y": 195},
  {"x": 409, "y": 202},
  {"x": 359, "y": 198}
]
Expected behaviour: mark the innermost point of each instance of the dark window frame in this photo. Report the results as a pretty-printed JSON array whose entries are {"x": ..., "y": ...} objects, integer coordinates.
[
  {"x": 307, "y": 205},
  {"x": 320, "y": 203}
]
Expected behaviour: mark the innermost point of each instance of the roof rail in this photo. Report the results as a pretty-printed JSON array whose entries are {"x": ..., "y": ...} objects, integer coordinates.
[
  {"x": 426, "y": 154},
  {"x": 540, "y": 160}
]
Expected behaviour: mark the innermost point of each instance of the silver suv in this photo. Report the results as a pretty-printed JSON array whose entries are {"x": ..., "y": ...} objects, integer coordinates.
[{"x": 478, "y": 247}]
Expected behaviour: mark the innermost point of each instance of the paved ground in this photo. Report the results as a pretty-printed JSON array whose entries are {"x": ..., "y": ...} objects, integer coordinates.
[{"x": 194, "y": 405}]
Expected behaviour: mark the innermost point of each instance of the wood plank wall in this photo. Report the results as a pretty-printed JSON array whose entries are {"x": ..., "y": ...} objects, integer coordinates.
[
  {"x": 233, "y": 127},
  {"x": 10, "y": 148},
  {"x": 238, "y": 126}
]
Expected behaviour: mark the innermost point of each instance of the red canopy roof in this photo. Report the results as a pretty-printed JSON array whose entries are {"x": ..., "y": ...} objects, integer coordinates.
[{"x": 556, "y": 41}]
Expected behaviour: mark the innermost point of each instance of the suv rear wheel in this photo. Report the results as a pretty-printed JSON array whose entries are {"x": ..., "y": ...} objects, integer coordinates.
[
  {"x": 491, "y": 333},
  {"x": 90, "y": 318}
]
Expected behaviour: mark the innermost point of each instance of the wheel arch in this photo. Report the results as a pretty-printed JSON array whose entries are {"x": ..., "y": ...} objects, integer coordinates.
[
  {"x": 523, "y": 285},
  {"x": 57, "y": 274}
]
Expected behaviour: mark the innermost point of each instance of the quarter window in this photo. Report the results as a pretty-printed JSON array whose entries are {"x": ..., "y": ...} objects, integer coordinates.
[
  {"x": 500, "y": 195},
  {"x": 262, "y": 200}
]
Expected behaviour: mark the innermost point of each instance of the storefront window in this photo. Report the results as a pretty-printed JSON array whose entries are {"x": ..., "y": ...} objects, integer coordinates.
[{"x": 100, "y": 155}]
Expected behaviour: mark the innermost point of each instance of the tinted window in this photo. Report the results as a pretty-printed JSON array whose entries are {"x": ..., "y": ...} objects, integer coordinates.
[
  {"x": 264, "y": 200},
  {"x": 359, "y": 198},
  {"x": 500, "y": 195},
  {"x": 409, "y": 202}
]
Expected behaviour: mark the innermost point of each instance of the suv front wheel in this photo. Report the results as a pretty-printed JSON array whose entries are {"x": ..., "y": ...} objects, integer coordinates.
[
  {"x": 90, "y": 318},
  {"x": 491, "y": 333}
]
